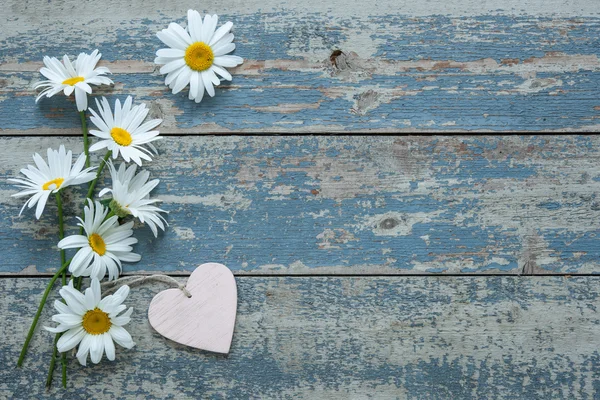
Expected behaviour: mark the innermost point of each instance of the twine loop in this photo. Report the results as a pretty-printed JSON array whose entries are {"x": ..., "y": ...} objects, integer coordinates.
[{"x": 137, "y": 280}]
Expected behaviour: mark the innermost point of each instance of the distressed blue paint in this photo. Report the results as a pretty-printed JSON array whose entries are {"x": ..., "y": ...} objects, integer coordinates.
[
  {"x": 288, "y": 237},
  {"x": 235, "y": 107},
  {"x": 580, "y": 246},
  {"x": 319, "y": 337},
  {"x": 283, "y": 229},
  {"x": 398, "y": 37},
  {"x": 550, "y": 205},
  {"x": 473, "y": 38}
]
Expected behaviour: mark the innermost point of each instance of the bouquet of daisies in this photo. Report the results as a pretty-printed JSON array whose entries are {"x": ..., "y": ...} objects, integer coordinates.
[
  {"x": 88, "y": 324},
  {"x": 87, "y": 321}
]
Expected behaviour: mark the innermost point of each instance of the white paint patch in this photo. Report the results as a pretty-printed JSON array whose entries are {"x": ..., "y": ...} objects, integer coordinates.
[
  {"x": 184, "y": 233},
  {"x": 282, "y": 190},
  {"x": 224, "y": 201},
  {"x": 499, "y": 261},
  {"x": 320, "y": 214},
  {"x": 538, "y": 85},
  {"x": 333, "y": 238}
]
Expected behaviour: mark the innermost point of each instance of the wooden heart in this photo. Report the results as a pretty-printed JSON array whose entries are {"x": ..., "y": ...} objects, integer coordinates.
[{"x": 206, "y": 319}]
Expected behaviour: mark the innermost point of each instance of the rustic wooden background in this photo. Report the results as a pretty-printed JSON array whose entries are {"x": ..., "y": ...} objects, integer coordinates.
[{"x": 498, "y": 233}]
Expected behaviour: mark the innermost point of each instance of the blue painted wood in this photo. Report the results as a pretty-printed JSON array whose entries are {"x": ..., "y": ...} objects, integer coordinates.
[
  {"x": 444, "y": 337},
  {"x": 454, "y": 100},
  {"x": 360, "y": 205},
  {"x": 485, "y": 72},
  {"x": 394, "y": 36},
  {"x": 335, "y": 205}
]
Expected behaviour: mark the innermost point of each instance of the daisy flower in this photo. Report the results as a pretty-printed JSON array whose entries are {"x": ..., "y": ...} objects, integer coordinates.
[
  {"x": 91, "y": 322},
  {"x": 131, "y": 196},
  {"x": 69, "y": 77},
  {"x": 45, "y": 179},
  {"x": 196, "y": 55},
  {"x": 104, "y": 246},
  {"x": 124, "y": 132}
]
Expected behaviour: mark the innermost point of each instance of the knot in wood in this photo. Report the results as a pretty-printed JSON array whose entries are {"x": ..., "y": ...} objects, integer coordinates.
[{"x": 389, "y": 223}]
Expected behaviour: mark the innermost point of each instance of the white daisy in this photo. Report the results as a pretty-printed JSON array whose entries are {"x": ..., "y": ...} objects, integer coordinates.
[
  {"x": 69, "y": 77},
  {"x": 103, "y": 248},
  {"x": 196, "y": 55},
  {"x": 45, "y": 179},
  {"x": 124, "y": 132},
  {"x": 92, "y": 322},
  {"x": 131, "y": 196}
]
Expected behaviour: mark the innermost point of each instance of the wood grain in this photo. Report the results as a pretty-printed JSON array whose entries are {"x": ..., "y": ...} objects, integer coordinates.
[
  {"x": 478, "y": 66},
  {"x": 332, "y": 338},
  {"x": 347, "y": 205},
  {"x": 328, "y": 205}
]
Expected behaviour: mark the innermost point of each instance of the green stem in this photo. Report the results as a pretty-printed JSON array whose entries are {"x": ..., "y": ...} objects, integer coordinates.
[
  {"x": 61, "y": 235},
  {"x": 90, "y": 193},
  {"x": 52, "y": 361},
  {"x": 39, "y": 312},
  {"x": 64, "y": 369},
  {"x": 52, "y": 366},
  {"x": 86, "y": 143}
]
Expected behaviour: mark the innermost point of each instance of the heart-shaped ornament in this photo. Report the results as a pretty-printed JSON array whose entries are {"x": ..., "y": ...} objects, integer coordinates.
[{"x": 206, "y": 319}]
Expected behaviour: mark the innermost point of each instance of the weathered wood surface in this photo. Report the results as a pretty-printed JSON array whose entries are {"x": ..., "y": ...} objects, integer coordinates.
[
  {"x": 339, "y": 205},
  {"x": 441, "y": 66},
  {"x": 348, "y": 205},
  {"x": 334, "y": 338}
]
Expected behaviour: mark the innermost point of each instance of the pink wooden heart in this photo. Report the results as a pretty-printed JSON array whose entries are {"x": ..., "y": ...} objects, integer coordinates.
[{"x": 205, "y": 320}]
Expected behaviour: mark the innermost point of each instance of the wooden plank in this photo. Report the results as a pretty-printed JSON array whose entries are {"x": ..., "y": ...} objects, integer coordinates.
[
  {"x": 331, "y": 338},
  {"x": 278, "y": 101},
  {"x": 348, "y": 205},
  {"x": 474, "y": 67}
]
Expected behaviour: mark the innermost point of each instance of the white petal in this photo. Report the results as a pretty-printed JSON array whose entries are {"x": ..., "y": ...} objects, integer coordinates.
[
  {"x": 69, "y": 319},
  {"x": 109, "y": 346},
  {"x": 84, "y": 349},
  {"x": 121, "y": 336},
  {"x": 208, "y": 27},
  {"x": 222, "y": 31},
  {"x": 96, "y": 348},
  {"x": 174, "y": 53},
  {"x": 171, "y": 39},
  {"x": 182, "y": 80},
  {"x": 207, "y": 83},
  {"x": 180, "y": 32},
  {"x": 172, "y": 66},
  {"x": 41, "y": 204},
  {"x": 73, "y": 242},
  {"x": 194, "y": 25},
  {"x": 224, "y": 49},
  {"x": 70, "y": 339},
  {"x": 221, "y": 71},
  {"x": 81, "y": 99},
  {"x": 228, "y": 61}
]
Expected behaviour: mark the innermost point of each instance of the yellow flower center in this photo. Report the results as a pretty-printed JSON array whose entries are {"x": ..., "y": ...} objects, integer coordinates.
[
  {"x": 97, "y": 244},
  {"x": 121, "y": 136},
  {"x": 199, "y": 56},
  {"x": 53, "y": 184},
  {"x": 73, "y": 81},
  {"x": 96, "y": 322}
]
